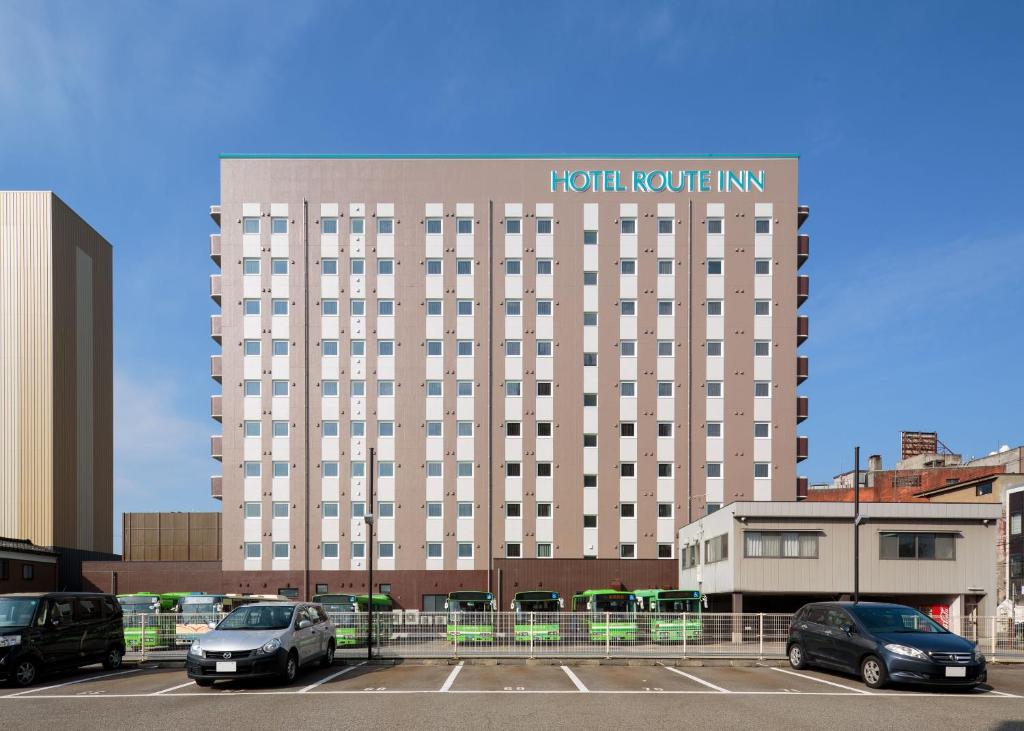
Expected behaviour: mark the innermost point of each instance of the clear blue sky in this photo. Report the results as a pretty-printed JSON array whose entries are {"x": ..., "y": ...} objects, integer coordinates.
[{"x": 908, "y": 118}]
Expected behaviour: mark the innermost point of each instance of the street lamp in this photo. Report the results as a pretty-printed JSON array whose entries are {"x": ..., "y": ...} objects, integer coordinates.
[{"x": 368, "y": 519}]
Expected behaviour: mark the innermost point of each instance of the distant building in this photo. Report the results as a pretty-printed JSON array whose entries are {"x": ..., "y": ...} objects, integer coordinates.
[
  {"x": 25, "y": 566},
  {"x": 56, "y": 390}
]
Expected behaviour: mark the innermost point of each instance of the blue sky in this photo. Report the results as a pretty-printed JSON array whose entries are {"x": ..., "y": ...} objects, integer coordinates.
[{"x": 907, "y": 117}]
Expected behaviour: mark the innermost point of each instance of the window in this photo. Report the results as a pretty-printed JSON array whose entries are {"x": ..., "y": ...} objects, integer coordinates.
[
  {"x": 762, "y": 266},
  {"x": 252, "y": 347},
  {"x": 665, "y": 307},
  {"x": 1015, "y": 524},
  {"x": 385, "y": 510},
  {"x": 434, "y": 388},
  {"x": 250, "y": 225},
  {"x": 589, "y": 278},
  {"x": 279, "y": 307},
  {"x": 464, "y": 509},
  {"x": 435, "y": 550},
  {"x": 358, "y": 468},
  {"x": 665, "y": 348},
  {"x": 665, "y": 226},
  {"x": 543, "y": 267},
  {"x": 590, "y": 399},
  {"x": 280, "y": 510},
  {"x": 627, "y": 266},
  {"x": 513, "y": 550},
  {"x": 762, "y": 308},
  {"x": 251, "y": 388},
  {"x": 590, "y": 238},
  {"x": 463, "y": 267},
  {"x": 513, "y": 429},
  {"x": 330, "y": 347},
  {"x": 513, "y": 510},
  {"x": 762, "y": 225},
  {"x": 330, "y": 428},
  {"x": 330, "y": 550},
  {"x": 762, "y": 389},
  {"x": 543, "y": 428},
  {"x": 435, "y": 348},
  {"x": 714, "y": 225},
  {"x": 716, "y": 549},
  {"x": 328, "y": 225},
  {"x": 433, "y": 225},
  {"x": 984, "y": 488},
  {"x": 543, "y": 226},
  {"x": 664, "y": 389},
  {"x": 464, "y": 348},
  {"x": 464, "y": 469},
  {"x": 513, "y": 308},
  {"x": 513, "y": 469},
  {"x": 278, "y": 225},
  {"x": 251, "y": 306},
  {"x": 714, "y": 267},
  {"x": 385, "y": 267},
  {"x": 589, "y": 521},
  {"x": 715, "y": 308},
  {"x": 328, "y": 266},
  {"x": 279, "y": 388},
  {"x": 279, "y": 347},
  {"x": 627, "y": 389},
  {"x": 250, "y": 266},
  {"x": 665, "y": 266},
  {"x": 627, "y": 226},
  {"x": 543, "y": 550},
  {"x": 464, "y": 428},
  {"x": 253, "y": 550},
  {"x": 513, "y": 267},
  {"x": 435, "y": 469},
  {"x": 544, "y": 510},
  {"x": 329, "y": 469},
  {"x": 627, "y": 308},
  {"x": 664, "y": 469},
  {"x": 590, "y": 440},
  {"x": 627, "y": 550},
  {"x": 513, "y": 226},
  {"x": 357, "y": 266},
  {"x": 358, "y": 509},
  {"x": 252, "y": 469},
  {"x": 357, "y": 307},
  {"x": 543, "y": 308},
  {"x": 664, "y": 428},
  {"x": 435, "y": 510},
  {"x": 714, "y": 469},
  {"x": 280, "y": 469},
  {"x": 714, "y": 348},
  {"x": 627, "y": 469},
  {"x": 331, "y": 510},
  {"x": 278, "y": 266},
  {"x": 917, "y": 546},
  {"x": 385, "y": 226},
  {"x": 358, "y": 429},
  {"x": 433, "y": 267},
  {"x": 762, "y": 470},
  {"x": 627, "y": 429},
  {"x": 464, "y": 225},
  {"x": 714, "y": 389},
  {"x": 253, "y": 510},
  {"x": 544, "y": 469},
  {"x": 627, "y": 510},
  {"x": 590, "y": 319},
  {"x": 589, "y": 359},
  {"x": 714, "y": 429},
  {"x": 357, "y": 225},
  {"x": 665, "y": 510},
  {"x": 434, "y": 308},
  {"x": 513, "y": 388},
  {"x": 762, "y": 348},
  {"x": 463, "y": 307},
  {"x": 664, "y": 550},
  {"x": 691, "y": 555},
  {"x": 761, "y": 430},
  {"x": 465, "y": 550},
  {"x": 513, "y": 348},
  {"x": 358, "y": 388},
  {"x": 435, "y": 428},
  {"x": 385, "y": 308},
  {"x": 544, "y": 349},
  {"x": 358, "y": 549},
  {"x": 385, "y": 428},
  {"x": 280, "y": 550},
  {"x": 780, "y": 544},
  {"x": 590, "y": 481},
  {"x": 385, "y": 348}
]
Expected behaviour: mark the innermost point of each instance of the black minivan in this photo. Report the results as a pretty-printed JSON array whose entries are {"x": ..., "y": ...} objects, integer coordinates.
[
  {"x": 58, "y": 631},
  {"x": 882, "y": 643}
]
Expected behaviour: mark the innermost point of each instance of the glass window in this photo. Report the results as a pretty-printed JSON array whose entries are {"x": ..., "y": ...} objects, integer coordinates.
[
  {"x": 329, "y": 428},
  {"x": 589, "y": 521},
  {"x": 543, "y": 550},
  {"x": 544, "y": 510},
  {"x": 544, "y": 348},
  {"x": 465, "y": 550},
  {"x": 513, "y": 388},
  {"x": 330, "y": 347},
  {"x": 513, "y": 510},
  {"x": 385, "y": 428},
  {"x": 665, "y": 307},
  {"x": 250, "y": 266},
  {"x": 385, "y": 226},
  {"x": 664, "y": 428},
  {"x": 627, "y": 226},
  {"x": 628, "y": 308},
  {"x": 358, "y": 549},
  {"x": 435, "y": 510},
  {"x": 665, "y": 226},
  {"x": 433, "y": 267},
  {"x": 762, "y": 225},
  {"x": 664, "y": 388},
  {"x": 358, "y": 387},
  {"x": 435, "y": 550},
  {"x": 589, "y": 278},
  {"x": 252, "y": 388},
  {"x": 627, "y": 429},
  {"x": 435, "y": 308},
  {"x": 331, "y": 510},
  {"x": 762, "y": 348},
  {"x": 762, "y": 266},
  {"x": 627, "y": 550},
  {"x": 464, "y": 266},
  {"x": 251, "y": 306},
  {"x": 279, "y": 306},
  {"x": 252, "y": 347},
  {"x": 780, "y": 544},
  {"x": 433, "y": 225},
  {"x": 330, "y": 550},
  {"x": 357, "y": 225},
  {"x": 328, "y": 266},
  {"x": 386, "y": 387},
  {"x": 714, "y": 348},
  {"x": 385, "y": 348},
  {"x": 513, "y": 266},
  {"x": 280, "y": 509},
  {"x": 358, "y": 509},
  {"x": 329, "y": 469},
  {"x": 544, "y": 388},
  {"x": 715, "y": 266},
  {"x": 278, "y": 225},
  {"x": 917, "y": 546},
  {"x": 280, "y": 550},
  {"x": 358, "y": 428},
  {"x": 513, "y": 469},
  {"x": 279, "y": 347},
  {"x": 279, "y": 266},
  {"x": 280, "y": 469},
  {"x": 513, "y": 550},
  {"x": 714, "y": 308},
  {"x": 714, "y": 469},
  {"x": 434, "y": 388},
  {"x": 435, "y": 469},
  {"x": 252, "y": 428},
  {"x": 465, "y": 509},
  {"x": 590, "y": 359},
  {"x": 665, "y": 266},
  {"x": 714, "y": 429},
  {"x": 435, "y": 428},
  {"x": 762, "y": 470},
  {"x": 385, "y": 510},
  {"x": 665, "y": 348},
  {"x": 279, "y": 387},
  {"x": 513, "y": 308},
  {"x": 627, "y": 267},
  {"x": 664, "y": 510},
  {"x": 253, "y": 510},
  {"x": 664, "y": 469},
  {"x": 385, "y": 308},
  {"x": 762, "y": 308},
  {"x": 513, "y": 226},
  {"x": 358, "y": 469},
  {"x": 463, "y": 388},
  {"x": 762, "y": 389},
  {"x": 385, "y": 267},
  {"x": 357, "y": 307},
  {"x": 544, "y": 469},
  {"x": 714, "y": 389},
  {"x": 714, "y": 225},
  {"x": 328, "y": 225},
  {"x": 761, "y": 430},
  {"x": 543, "y": 266},
  {"x": 357, "y": 266},
  {"x": 513, "y": 347},
  {"x": 464, "y": 307},
  {"x": 627, "y": 469},
  {"x": 543, "y": 308},
  {"x": 464, "y": 348},
  {"x": 590, "y": 399},
  {"x": 716, "y": 549},
  {"x": 543, "y": 225},
  {"x": 464, "y": 428},
  {"x": 590, "y": 319},
  {"x": 250, "y": 225},
  {"x": 590, "y": 238},
  {"x": 435, "y": 348},
  {"x": 627, "y": 510},
  {"x": 253, "y": 550},
  {"x": 464, "y": 225}
]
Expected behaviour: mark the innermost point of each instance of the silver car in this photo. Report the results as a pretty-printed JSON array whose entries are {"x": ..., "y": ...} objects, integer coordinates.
[{"x": 266, "y": 639}]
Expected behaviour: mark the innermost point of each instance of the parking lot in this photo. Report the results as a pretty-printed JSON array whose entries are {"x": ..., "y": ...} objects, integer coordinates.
[{"x": 467, "y": 695}]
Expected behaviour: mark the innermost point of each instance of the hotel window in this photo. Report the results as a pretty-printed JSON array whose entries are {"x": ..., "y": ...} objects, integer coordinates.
[
  {"x": 664, "y": 469},
  {"x": 357, "y": 389},
  {"x": 331, "y": 509},
  {"x": 433, "y": 225},
  {"x": 664, "y": 550},
  {"x": 627, "y": 267},
  {"x": 385, "y": 348},
  {"x": 543, "y": 266},
  {"x": 463, "y": 388},
  {"x": 589, "y": 521},
  {"x": 279, "y": 388},
  {"x": 543, "y": 225},
  {"x": 665, "y": 307},
  {"x": 513, "y": 550},
  {"x": 513, "y": 388},
  {"x": 330, "y": 550},
  {"x": 666, "y": 226},
  {"x": 627, "y": 510},
  {"x": 513, "y": 348},
  {"x": 590, "y": 319},
  {"x": 433, "y": 267},
  {"x": 280, "y": 550},
  {"x": 250, "y": 266},
  {"x": 328, "y": 266},
  {"x": 280, "y": 510},
  {"x": 435, "y": 469},
  {"x": 762, "y": 348},
  {"x": 357, "y": 307},
  {"x": 543, "y": 550},
  {"x": 357, "y": 266},
  {"x": 330, "y": 347},
  {"x": 761, "y": 430},
  {"x": 627, "y": 389},
  {"x": 589, "y": 440},
  {"x": 627, "y": 550},
  {"x": 358, "y": 509},
  {"x": 917, "y": 546},
  {"x": 715, "y": 308},
  {"x": 714, "y": 469},
  {"x": 464, "y": 307},
  {"x": 385, "y": 428},
  {"x": 279, "y": 347},
  {"x": 513, "y": 308},
  {"x": 358, "y": 428},
  {"x": 513, "y": 469},
  {"x": 278, "y": 225},
  {"x": 385, "y": 308},
  {"x": 513, "y": 510},
  {"x": 465, "y": 551},
  {"x": 543, "y": 308},
  {"x": 762, "y": 389},
  {"x": 590, "y": 481},
  {"x": 328, "y": 225},
  {"x": 714, "y": 389},
  {"x": 590, "y": 238},
  {"x": 357, "y": 225},
  {"x": 253, "y": 510},
  {"x": 279, "y": 307},
  {"x": 762, "y": 225},
  {"x": 358, "y": 549},
  {"x": 252, "y": 347},
  {"x": 435, "y": 428},
  {"x": 385, "y": 509},
  {"x": 543, "y": 429},
  {"x": 464, "y": 509},
  {"x": 464, "y": 225},
  {"x": 665, "y": 266},
  {"x": 627, "y": 226},
  {"x": 665, "y": 348},
  {"x": 665, "y": 510},
  {"x": 434, "y": 308},
  {"x": 627, "y": 469},
  {"x": 762, "y": 470},
  {"x": 544, "y": 348},
  {"x": 330, "y": 428},
  {"x": 715, "y": 266},
  {"x": 385, "y": 226},
  {"x": 664, "y": 428},
  {"x": 513, "y": 226},
  {"x": 716, "y": 549},
  {"x": 714, "y": 225},
  {"x": 664, "y": 389},
  {"x": 627, "y": 429},
  {"x": 714, "y": 348},
  {"x": 589, "y": 278},
  {"x": 543, "y": 510},
  {"x": 714, "y": 429},
  {"x": 590, "y": 359},
  {"x": 251, "y": 306},
  {"x": 627, "y": 308},
  {"x": 278, "y": 266},
  {"x": 385, "y": 267},
  {"x": 762, "y": 266},
  {"x": 435, "y": 510},
  {"x": 762, "y": 308},
  {"x": 464, "y": 348},
  {"x": 252, "y": 428},
  {"x": 513, "y": 266},
  {"x": 590, "y": 399},
  {"x": 435, "y": 348},
  {"x": 252, "y": 388},
  {"x": 464, "y": 469},
  {"x": 513, "y": 429},
  {"x": 464, "y": 428},
  {"x": 386, "y": 387},
  {"x": 250, "y": 225},
  {"x": 358, "y": 469},
  {"x": 463, "y": 266},
  {"x": 253, "y": 550}
]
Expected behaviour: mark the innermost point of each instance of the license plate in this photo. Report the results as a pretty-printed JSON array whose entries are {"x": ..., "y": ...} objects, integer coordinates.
[
  {"x": 956, "y": 672},
  {"x": 230, "y": 667}
]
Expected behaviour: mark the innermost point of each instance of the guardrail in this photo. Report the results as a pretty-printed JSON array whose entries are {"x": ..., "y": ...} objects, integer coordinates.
[{"x": 413, "y": 634}]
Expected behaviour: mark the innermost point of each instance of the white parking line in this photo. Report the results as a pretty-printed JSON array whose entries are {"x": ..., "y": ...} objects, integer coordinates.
[
  {"x": 822, "y": 680},
  {"x": 697, "y": 680},
  {"x": 332, "y": 676},
  {"x": 72, "y": 682},
  {"x": 575, "y": 680},
  {"x": 1005, "y": 695},
  {"x": 451, "y": 678},
  {"x": 175, "y": 687}
]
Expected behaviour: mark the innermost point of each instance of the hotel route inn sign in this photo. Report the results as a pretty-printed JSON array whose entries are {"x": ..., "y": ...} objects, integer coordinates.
[{"x": 657, "y": 181}]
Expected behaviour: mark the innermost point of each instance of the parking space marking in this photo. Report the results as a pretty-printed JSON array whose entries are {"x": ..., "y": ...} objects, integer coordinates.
[
  {"x": 1005, "y": 695},
  {"x": 451, "y": 678},
  {"x": 174, "y": 687},
  {"x": 332, "y": 676},
  {"x": 822, "y": 680},
  {"x": 694, "y": 678},
  {"x": 72, "y": 682},
  {"x": 575, "y": 680}
]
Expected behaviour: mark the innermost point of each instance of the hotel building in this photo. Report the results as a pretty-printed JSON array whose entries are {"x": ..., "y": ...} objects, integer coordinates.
[{"x": 555, "y": 359}]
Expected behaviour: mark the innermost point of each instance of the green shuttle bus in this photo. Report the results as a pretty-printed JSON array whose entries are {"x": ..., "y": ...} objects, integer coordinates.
[
  {"x": 536, "y": 615},
  {"x": 342, "y": 609},
  {"x": 470, "y": 616},
  {"x": 675, "y": 613},
  {"x": 608, "y": 614},
  {"x": 134, "y": 606}
]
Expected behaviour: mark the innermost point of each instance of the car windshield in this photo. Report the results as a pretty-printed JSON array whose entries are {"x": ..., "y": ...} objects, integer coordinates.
[
  {"x": 258, "y": 617},
  {"x": 17, "y": 611},
  {"x": 896, "y": 619}
]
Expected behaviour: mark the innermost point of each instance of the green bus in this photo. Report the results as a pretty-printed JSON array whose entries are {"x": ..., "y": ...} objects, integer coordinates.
[
  {"x": 343, "y": 610},
  {"x": 139, "y": 629},
  {"x": 197, "y": 611},
  {"x": 536, "y": 615},
  {"x": 470, "y": 616},
  {"x": 607, "y": 614},
  {"x": 675, "y": 613}
]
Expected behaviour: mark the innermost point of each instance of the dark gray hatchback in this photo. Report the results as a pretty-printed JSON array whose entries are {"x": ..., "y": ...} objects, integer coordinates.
[{"x": 882, "y": 643}]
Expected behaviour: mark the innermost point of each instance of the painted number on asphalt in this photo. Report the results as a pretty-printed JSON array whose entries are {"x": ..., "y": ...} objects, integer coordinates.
[
  {"x": 383, "y": 687},
  {"x": 515, "y": 687},
  {"x": 655, "y": 690}
]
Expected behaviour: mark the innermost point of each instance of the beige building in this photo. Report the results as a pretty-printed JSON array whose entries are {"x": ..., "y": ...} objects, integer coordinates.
[
  {"x": 554, "y": 358},
  {"x": 56, "y": 427}
]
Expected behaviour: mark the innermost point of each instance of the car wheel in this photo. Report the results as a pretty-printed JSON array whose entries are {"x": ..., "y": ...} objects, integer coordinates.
[
  {"x": 112, "y": 661},
  {"x": 204, "y": 682},
  {"x": 25, "y": 672},
  {"x": 328, "y": 658},
  {"x": 291, "y": 668},
  {"x": 797, "y": 658},
  {"x": 872, "y": 672}
]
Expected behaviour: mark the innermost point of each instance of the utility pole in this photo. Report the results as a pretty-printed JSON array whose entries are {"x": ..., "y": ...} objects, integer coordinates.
[
  {"x": 368, "y": 518},
  {"x": 856, "y": 524}
]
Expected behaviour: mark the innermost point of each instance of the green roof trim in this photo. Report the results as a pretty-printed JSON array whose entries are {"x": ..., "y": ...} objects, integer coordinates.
[{"x": 465, "y": 156}]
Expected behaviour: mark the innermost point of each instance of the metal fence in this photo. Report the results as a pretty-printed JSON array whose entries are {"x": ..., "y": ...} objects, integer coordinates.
[{"x": 413, "y": 634}]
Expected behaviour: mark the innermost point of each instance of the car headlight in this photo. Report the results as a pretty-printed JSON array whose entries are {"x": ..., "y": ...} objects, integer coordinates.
[
  {"x": 906, "y": 651},
  {"x": 978, "y": 655},
  {"x": 196, "y": 649},
  {"x": 270, "y": 647},
  {"x": 10, "y": 640}
]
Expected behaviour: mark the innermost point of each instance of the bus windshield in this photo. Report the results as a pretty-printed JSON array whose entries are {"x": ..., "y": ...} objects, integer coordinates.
[
  {"x": 139, "y": 604},
  {"x": 678, "y": 606},
  {"x": 336, "y": 602},
  {"x": 198, "y": 604},
  {"x": 537, "y": 605},
  {"x": 614, "y": 603},
  {"x": 17, "y": 611},
  {"x": 469, "y": 605}
]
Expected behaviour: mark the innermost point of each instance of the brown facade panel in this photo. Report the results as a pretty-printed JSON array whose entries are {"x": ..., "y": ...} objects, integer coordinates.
[{"x": 171, "y": 536}]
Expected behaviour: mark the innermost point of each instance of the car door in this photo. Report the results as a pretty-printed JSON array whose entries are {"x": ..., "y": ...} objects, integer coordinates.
[
  {"x": 305, "y": 639},
  {"x": 325, "y": 628},
  {"x": 844, "y": 647},
  {"x": 812, "y": 632},
  {"x": 59, "y": 636},
  {"x": 90, "y": 630}
]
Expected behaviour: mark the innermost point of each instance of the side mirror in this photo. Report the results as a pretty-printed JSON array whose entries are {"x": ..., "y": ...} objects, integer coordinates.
[
  {"x": 211, "y": 625},
  {"x": 446, "y": 606},
  {"x": 561, "y": 603},
  {"x": 848, "y": 628},
  {"x": 304, "y": 623},
  {"x": 512, "y": 606}
]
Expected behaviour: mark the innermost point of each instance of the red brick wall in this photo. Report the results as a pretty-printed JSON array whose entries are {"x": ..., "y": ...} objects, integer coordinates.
[
  {"x": 44, "y": 576},
  {"x": 891, "y": 486}
]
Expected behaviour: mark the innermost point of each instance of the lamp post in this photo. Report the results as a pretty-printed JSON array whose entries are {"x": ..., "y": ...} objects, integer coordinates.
[
  {"x": 368, "y": 519},
  {"x": 856, "y": 524}
]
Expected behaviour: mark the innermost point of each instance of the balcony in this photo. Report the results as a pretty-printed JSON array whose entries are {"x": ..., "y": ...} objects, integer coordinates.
[
  {"x": 803, "y": 288},
  {"x": 215, "y": 288},
  {"x": 802, "y": 212},
  {"x": 215, "y": 328},
  {"x": 215, "y": 214},
  {"x": 217, "y": 447},
  {"x": 802, "y": 408},
  {"x": 216, "y": 368},
  {"x": 803, "y": 329},
  {"x": 216, "y": 487},
  {"x": 215, "y": 248},
  {"x": 803, "y": 249},
  {"x": 217, "y": 408},
  {"x": 801, "y": 449},
  {"x": 803, "y": 367},
  {"x": 801, "y": 488}
]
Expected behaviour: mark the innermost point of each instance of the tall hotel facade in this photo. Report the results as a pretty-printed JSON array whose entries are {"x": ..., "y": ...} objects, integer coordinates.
[{"x": 554, "y": 359}]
